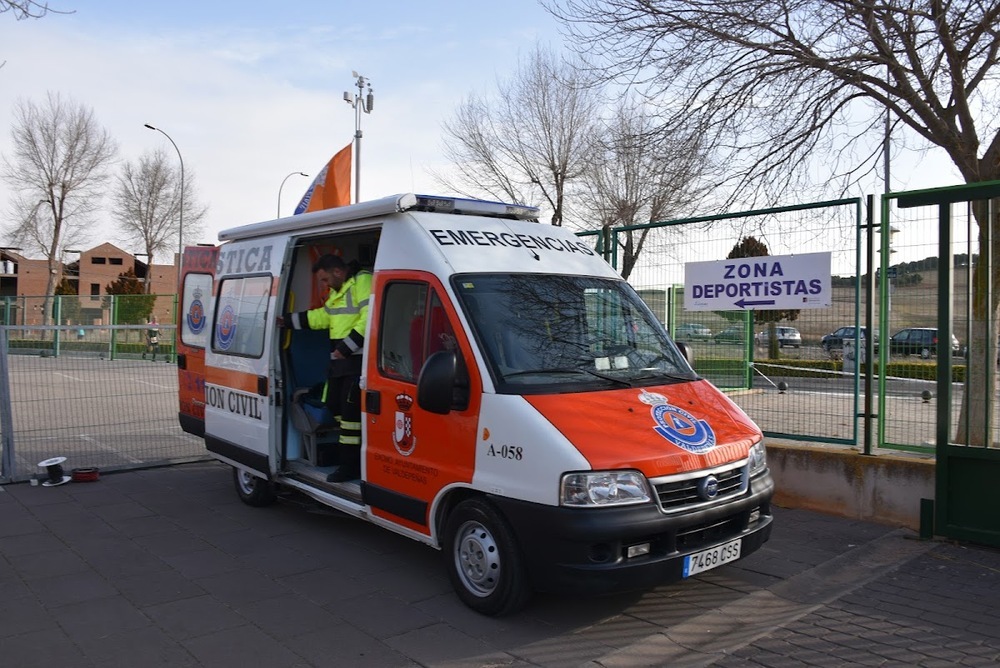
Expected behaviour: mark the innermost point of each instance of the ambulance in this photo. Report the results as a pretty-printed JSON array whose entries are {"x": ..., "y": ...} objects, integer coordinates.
[{"x": 524, "y": 412}]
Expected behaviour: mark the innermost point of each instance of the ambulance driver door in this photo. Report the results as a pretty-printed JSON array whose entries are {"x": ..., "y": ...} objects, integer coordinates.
[{"x": 411, "y": 454}]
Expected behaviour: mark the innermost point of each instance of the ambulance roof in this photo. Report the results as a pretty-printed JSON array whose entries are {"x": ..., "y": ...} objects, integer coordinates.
[{"x": 381, "y": 207}]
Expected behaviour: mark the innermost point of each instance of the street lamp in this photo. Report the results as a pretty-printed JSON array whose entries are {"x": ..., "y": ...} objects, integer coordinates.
[
  {"x": 180, "y": 222},
  {"x": 283, "y": 185},
  {"x": 360, "y": 104}
]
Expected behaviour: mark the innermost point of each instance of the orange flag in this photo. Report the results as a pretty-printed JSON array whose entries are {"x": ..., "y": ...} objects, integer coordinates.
[{"x": 332, "y": 186}]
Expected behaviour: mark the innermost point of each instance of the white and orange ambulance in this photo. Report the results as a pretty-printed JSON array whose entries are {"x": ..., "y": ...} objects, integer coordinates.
[{"x": 523, "y": 410}]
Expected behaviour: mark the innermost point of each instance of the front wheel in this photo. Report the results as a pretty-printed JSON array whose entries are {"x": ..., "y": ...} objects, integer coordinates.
[
  {"x": 252, "y": 490},
  {"x": 483, "y": 559}
]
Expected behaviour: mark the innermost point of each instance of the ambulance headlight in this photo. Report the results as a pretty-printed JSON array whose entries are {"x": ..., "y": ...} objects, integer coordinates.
[
  {"x": 603, "y": 488},
  {"x": 758, "y": 458}
]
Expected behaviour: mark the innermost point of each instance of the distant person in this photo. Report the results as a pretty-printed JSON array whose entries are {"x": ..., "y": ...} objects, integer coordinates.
[{"x": 152, "y": 339}]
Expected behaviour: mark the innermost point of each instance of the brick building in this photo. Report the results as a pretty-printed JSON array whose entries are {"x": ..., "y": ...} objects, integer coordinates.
[{"x": 23, "y": 282}]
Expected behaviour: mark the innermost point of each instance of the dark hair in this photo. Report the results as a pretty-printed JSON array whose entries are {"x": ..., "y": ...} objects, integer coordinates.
[{"x": 329, "y": 262}]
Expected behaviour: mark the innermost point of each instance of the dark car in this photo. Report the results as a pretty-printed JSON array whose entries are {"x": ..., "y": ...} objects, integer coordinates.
[
  {"x": 734, "y": 334},
  {"x": 921, "y": 341},
  {"x": 835, "y": 340}
]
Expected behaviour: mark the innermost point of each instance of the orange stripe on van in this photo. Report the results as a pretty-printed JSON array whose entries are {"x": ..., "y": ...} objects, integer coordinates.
[{"x": 235, "y": 380}]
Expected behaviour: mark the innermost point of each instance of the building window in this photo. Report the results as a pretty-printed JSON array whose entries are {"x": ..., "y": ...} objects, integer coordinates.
[
  {"x": 115, "y": 260},
  {"x": 95, "y": 289},
  {"x": 98, "y": 260}
]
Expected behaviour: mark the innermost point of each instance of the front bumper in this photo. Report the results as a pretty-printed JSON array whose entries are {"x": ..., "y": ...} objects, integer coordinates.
[{"x": 584, "y": 549}]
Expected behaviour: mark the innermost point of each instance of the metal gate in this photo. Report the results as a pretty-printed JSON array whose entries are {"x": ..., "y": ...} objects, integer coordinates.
[
  {"x": 809, "y": 391},
  {"x": 965, "y": 435}
]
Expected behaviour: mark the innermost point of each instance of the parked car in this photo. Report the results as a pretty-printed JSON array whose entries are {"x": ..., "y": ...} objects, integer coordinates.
[
  {"x": 732, "y": 334},
  {"x": 921, "y": 341},
  {"x": 835, "y": 340},
  {"x": 787, "y": 336},
  {"x": 692, "y": 331}
]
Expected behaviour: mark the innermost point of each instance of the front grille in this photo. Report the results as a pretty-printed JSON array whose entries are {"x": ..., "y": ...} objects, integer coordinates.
[{"x": 681, "y": 492}]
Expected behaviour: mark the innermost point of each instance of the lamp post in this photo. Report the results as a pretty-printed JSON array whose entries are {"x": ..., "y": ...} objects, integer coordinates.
[
  {"x": 180, "y": 222},
  {"x": 360, "y": 104},
  {"x": 283, "y": 185}
]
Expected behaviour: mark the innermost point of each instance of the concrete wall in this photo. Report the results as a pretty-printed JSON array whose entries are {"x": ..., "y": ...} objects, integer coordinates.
[{"x": 882, "y": 488}]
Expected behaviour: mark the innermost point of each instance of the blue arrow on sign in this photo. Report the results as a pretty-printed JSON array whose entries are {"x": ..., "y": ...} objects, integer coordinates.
[{"x": 763, "y": 302}]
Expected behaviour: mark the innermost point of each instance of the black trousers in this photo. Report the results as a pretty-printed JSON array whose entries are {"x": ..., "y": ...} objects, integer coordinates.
[{"x": 343, "y": 399}]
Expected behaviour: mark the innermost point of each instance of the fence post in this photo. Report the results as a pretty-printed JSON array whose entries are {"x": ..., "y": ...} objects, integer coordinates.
[
  {"x": 57, "y": 320},
  {"x": 114, "y": 321},
  {"x": 6, "y": 416}
]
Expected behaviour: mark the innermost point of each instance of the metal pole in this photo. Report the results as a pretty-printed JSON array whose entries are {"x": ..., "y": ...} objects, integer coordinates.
[
  {"x": 7, "y": 460},
  {"x": 282, "y": 186},
  {"x": 180, "y": 222},
  {"x": 869, "y": 323},
  {"x": 360, "y": 103}
]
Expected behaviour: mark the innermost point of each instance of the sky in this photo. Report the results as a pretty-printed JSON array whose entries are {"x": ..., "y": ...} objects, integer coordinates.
[{"x": 252, "y": 91}]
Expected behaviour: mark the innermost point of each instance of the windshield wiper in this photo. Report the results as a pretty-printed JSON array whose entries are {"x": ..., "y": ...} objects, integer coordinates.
[{"x": 589, "y": 372}]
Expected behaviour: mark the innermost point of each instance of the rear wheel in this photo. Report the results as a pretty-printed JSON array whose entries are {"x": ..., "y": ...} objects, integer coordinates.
[
  {"x": 925, "y": 353},
  {"x": 252, "y": 490},
  {"x": 483, "y": 559}
]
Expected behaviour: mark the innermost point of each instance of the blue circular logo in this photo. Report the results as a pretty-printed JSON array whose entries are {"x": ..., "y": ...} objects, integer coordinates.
[
  {"x": 225, "y": 331},
  {"x": 196, "y": 317},
  {"x": 683, "y": 429}
]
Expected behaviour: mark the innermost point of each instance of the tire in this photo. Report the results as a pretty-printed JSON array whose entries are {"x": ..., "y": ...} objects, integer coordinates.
[
  {"x": 252, "y": 490},
  {"x": 925, "y": 353},
  {"x": 483, "y": 559}
]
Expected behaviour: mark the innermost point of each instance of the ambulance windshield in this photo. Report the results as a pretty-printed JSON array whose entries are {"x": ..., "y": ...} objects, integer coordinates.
[{"x": 540, "y": 333}]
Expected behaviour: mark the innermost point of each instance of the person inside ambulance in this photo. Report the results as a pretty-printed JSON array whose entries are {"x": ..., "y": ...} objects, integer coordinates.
[{"x": 345, "y": 316}]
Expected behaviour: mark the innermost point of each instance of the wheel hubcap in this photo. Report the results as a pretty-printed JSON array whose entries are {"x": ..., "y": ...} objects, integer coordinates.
[
  {"x": 247, "y": 482},
  {"x": 477, "y": 559}
]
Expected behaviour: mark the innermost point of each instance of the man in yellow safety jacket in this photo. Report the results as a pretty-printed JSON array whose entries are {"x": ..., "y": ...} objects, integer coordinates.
[{"x": 345, "y": 315}]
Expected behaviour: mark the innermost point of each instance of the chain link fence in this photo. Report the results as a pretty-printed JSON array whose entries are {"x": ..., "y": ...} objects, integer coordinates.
[{"x": 96, "y": 389}]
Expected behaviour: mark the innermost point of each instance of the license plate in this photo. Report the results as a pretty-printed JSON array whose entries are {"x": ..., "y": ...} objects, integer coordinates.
[{"x": 712, "y": 557}]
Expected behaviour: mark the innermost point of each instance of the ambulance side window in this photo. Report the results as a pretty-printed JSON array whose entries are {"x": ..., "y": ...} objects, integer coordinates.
[
  {"x": 241, "y": 316},
  {"x": 403, "y": 304},
  {"x": 197, "y": 289},
  {"x": 414, "y": 327}
]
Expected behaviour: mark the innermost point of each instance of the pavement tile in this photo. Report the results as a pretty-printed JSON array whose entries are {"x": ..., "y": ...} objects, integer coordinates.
[
  {"x": 382, "y": 616},
  {"x": 192, "y": 617},
  {"x": 172, "y": 543},
  {"x": 18, "y": 522},
  {"x": 21, "y": 615},
  {"x": 147, "y": 525},
  {"x": 99, "y": 617},
  {"x": 126, "y": 510},
  {"x": 243, "y": 586},
  {"x": 346, "y": 645},
  {"x": 440, "y": 644},
  {"x": 328, "y": 586},
  {"x": 202, "y": 563},
  {"x": 159, "y": 587},
  {"x": 287, "y": 615},
  {"x": 72, "y": 588},
  {"x": 43, "y": 648},
  {"x": 131, "y": 648},
  {"x": 242, "y": 647},
  {"x": 29, "y": 543}
]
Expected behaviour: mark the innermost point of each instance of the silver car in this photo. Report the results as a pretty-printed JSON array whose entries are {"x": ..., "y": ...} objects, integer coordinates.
[{"x": 787, "y": 336}]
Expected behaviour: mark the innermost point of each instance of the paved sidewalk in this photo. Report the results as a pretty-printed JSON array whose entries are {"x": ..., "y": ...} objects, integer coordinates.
[{"x": 167, "y": 567}]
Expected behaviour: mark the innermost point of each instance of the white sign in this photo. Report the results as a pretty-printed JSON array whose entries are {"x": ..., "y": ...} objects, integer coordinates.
[{"x": 776, "y": 282}]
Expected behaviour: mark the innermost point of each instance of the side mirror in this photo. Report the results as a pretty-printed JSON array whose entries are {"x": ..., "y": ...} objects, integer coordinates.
[
  {"x": 437, "y": 379},
  {"x": 686, "y": 351}
]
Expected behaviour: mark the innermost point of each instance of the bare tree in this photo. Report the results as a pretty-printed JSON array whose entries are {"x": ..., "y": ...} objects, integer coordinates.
[
  {"x": 636, "y": 176},
  {"x": 775, "y": 83},
  {"x": 28, "y": 9},
  {"x": 147, "y": 204},
  {"x": 528, "y": 140},
  {"x": 57, "y": 170}
]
